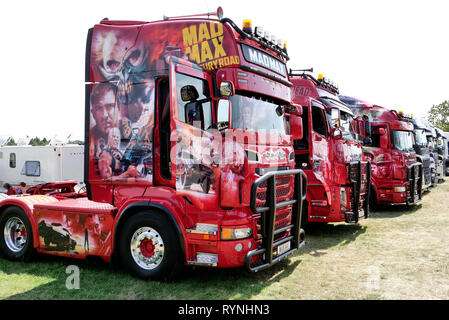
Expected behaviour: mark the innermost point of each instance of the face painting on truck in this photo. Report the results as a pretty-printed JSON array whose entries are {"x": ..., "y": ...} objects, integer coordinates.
[{"x": 124, "y": 66}]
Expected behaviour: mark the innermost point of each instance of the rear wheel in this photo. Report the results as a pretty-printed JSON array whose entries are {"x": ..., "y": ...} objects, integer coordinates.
[
  {"x": 16, "y": 240},
  {"x": 149, "y": 247}
]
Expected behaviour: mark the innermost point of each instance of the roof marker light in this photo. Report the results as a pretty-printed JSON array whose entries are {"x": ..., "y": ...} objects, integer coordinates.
[
  {"x": 267, "y": 36},
  {"x": 280, "y": 42},
  {"x": 320, "y": 76},
  {"x": 247, "y": 26},
  {"x": 259, "y": 31}
]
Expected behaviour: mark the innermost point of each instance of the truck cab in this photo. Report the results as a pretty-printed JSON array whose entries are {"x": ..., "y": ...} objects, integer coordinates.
[
  {"x": 436, "y": 159},
  {"x": 421, "y": 148},
  {"x": 441, "y": 144},
  {"x": 188, "y": 153},
  {"x": 446, "y": 152},
  {"x": 330, "y": 153},
  {"x": 396, "y": 176}
]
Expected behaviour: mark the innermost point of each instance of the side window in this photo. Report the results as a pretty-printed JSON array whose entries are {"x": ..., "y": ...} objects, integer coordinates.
[
  {"x": 194, "y": 104},
  {"x": 31, "y": 168},
  {"x": 12, "y": 160},
  {"x": 346, "y": 126},
  {"x": 318, "y": 121}
]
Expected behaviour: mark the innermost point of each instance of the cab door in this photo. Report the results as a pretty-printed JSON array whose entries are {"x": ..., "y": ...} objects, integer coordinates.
[
  {"x": 183, "y": 116},
  {"x": 320, "y": 137}
]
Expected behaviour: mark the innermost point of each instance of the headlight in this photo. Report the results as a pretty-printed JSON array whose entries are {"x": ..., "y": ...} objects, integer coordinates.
[
  {"x": 234, "y": 234},
  {"x": 399, "y": 189}
]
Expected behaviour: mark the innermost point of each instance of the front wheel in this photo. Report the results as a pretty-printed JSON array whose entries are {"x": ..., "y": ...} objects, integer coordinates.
[
  {"x": 149, "y": 247},
  {"x": 16, "y": 240}
]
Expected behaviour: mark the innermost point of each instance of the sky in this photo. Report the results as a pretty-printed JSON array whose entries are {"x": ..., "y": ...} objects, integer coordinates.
[{"x": 393, "y": 53}]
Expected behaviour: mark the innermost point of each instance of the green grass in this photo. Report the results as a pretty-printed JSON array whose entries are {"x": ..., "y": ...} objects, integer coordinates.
[{"x": 398, "y": 253}]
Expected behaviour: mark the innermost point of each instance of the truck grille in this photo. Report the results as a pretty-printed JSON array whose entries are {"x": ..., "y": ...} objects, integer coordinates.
[
  {"x": 359, "y": 176},
  {"x": 284, "y": 191}
]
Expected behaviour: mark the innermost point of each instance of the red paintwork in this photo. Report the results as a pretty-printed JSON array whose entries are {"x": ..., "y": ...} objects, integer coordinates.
[
  {"x": 388, "y": 165},
  {"x": 327, "y": 158},
  {"x": 220, "y": 55}
]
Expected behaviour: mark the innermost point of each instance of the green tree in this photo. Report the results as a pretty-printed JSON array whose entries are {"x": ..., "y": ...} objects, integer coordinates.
[
  {"x": 11, "y": 142},
  {"x": 439, "y": 115}
]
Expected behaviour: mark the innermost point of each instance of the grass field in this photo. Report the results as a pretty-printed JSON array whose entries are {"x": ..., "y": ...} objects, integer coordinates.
[{"x": 397, "y": 253}]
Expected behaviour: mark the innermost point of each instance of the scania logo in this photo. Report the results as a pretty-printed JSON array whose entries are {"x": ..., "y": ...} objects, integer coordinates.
[{"x": 271, "y": 155}]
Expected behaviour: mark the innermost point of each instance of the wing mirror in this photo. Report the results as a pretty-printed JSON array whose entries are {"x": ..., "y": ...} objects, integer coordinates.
[
  {"x": 227, "y": 88},
  {"x": 296, "y": 127},
  {"x": 337, "y": 133}
]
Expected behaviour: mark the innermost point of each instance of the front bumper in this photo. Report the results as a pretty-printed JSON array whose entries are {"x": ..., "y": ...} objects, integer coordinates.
[{"x": 412, "y": 188}]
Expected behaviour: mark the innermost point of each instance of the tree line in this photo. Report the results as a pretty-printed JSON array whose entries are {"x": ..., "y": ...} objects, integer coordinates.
[
  {"x": 36, "y": 141},
  {"x": 439, "y": 115}
]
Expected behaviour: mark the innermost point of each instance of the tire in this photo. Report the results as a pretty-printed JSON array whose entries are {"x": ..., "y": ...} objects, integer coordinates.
[
  {"x": 149, "y": 247},
  {"x": 373, "y": 206},
  {"x": 14, "y": 245},
  {"x": 305, "y": 215}
]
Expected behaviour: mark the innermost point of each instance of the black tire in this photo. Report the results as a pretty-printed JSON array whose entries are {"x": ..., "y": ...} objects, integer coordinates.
[
  {"x": 305, "y": 216},
  {"x": 26, "y": 252},
  {"x": 171, "y": 264},
  {"x": 373, "y": 205}
]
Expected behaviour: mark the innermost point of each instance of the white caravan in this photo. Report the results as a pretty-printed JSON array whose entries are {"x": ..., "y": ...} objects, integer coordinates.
[{"x": 40, "y": 164}]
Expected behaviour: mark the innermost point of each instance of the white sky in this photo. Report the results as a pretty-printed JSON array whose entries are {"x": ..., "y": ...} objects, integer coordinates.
[{"x": 393, "y": 53}]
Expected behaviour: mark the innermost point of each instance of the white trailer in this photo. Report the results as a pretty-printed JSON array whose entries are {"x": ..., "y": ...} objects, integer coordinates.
[{"x": 40, "y": 164}]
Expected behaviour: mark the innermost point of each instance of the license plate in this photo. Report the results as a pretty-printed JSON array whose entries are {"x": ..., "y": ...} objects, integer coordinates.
[{"x": 283, "y": 247}]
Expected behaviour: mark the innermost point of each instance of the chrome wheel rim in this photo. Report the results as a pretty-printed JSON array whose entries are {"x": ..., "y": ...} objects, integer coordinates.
[
  {"x": 15, "y": 234},
  {"x": 147, "y": 248}
]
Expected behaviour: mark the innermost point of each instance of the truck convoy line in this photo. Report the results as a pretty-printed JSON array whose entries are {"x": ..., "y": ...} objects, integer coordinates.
[
  {"x": 396, "y": 176},
  {"x": 329, "y": 153},
  {"x": 201, "y": 149}
]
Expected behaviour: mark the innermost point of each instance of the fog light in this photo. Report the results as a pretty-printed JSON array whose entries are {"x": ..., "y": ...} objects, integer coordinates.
[
  {"x": 207, "y": 258},
  {"x": 399, "y": 189},
  {"x": 238, "y": 247}
]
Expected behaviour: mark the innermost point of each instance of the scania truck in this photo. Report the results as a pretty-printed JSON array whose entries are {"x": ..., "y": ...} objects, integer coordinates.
[
  {"x": 188, "y": 154},
  {"x": 330, "y": 153},
  {"x": 421, "y": 148},
  {"x": 396, "y": 176}
]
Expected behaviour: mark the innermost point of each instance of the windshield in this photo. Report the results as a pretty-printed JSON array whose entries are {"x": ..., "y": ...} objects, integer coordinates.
[
  {"x": 402, "y": 140},
  {"x": 420, "y": 137},
  {"x": 346, "y": 126},
  {"x": 346, "y": 119},
  {"x": 255, "y": 114}
]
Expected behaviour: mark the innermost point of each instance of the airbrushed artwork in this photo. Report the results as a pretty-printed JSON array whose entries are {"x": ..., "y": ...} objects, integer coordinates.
[{"x": 124, "y": 67}]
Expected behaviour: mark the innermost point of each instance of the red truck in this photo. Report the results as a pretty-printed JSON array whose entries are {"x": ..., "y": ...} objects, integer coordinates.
[
  {"x": 330, "y": 153},
  {"x": 188, "y": 154},
  {"x": 397, "y": 176}
]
